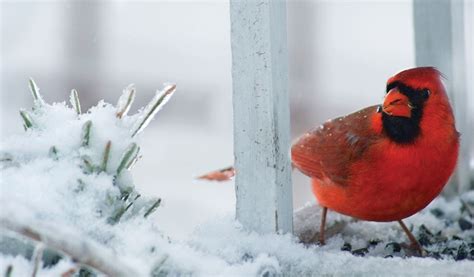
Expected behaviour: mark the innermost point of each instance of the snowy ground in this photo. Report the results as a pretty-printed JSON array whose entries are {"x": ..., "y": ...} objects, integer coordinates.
[
  {"x": 221, "y": 247},
  {"x": 187, "y": 235}
]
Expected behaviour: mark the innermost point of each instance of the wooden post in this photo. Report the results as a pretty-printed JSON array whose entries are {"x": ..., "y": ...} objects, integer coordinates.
[
  {"x": 261, "y": 115},
  {"x": 440, "y": 42}
]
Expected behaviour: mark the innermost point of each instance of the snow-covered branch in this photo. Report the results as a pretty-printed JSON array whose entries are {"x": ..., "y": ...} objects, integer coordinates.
[{"x": 81, "y": 250}]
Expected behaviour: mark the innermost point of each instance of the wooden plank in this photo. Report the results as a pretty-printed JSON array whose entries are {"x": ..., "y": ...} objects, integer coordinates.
[
  {"x": 261, "y": 115},
  {"x": 440, "y": 42}
]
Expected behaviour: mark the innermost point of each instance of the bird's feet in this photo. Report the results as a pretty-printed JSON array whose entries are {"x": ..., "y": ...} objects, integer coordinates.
[
  {"x": 415, "y": 246},
  {"x": 414, "y": 249}
]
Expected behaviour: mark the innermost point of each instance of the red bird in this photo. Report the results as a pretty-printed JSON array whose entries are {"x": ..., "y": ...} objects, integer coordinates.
[{"x": 384, "y": 163}]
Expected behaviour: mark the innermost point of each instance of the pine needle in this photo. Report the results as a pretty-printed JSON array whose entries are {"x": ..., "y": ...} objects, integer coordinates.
[
  {"x": 157, "y": 268},
  {"x": 125, "y": 192},
  {"x": 117, "y": 215},
  {"x": 134, "y": 159},
  {"x": 74, "y": 100},
  {"x": 38, "y": 100},
  {"x": 80, "y": 185},
  {"x": 106, "y": 156},
  {"x": 160, "y": 99},
  {"x": 88, "y": 166},
  {"x": 125, "y": 101},
  {"x": 153, "y": 207},
  {"x": 130, "y": 153},
  {"x": 86, "y": 132},
  {"x": 53, "y": 153},
  {"x": 8, "y": 272},
  {"x": 27, "y": 121}
]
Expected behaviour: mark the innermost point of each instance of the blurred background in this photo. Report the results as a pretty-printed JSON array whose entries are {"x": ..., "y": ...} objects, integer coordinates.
[{"x": 340, "y": 55}]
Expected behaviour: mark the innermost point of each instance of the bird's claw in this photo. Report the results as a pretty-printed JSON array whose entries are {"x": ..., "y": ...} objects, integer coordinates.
[{"x": 414, "y": 249}]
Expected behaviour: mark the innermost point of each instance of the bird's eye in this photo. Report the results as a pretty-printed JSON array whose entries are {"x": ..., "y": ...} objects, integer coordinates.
[{"x": 426, "y": 93}]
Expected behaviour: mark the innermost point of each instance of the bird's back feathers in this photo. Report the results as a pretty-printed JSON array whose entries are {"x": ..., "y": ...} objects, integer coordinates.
[{"x": 327, "y": 152}]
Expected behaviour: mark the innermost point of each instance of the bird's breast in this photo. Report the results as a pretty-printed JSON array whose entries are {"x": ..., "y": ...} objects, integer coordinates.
[{"x": 392, "y": 181}]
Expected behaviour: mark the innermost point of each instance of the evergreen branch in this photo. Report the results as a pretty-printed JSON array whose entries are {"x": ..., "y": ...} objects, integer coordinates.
[
  {"x": 37, "y": 99},
  {"x": 86, "y": 133},
  {"x": 130, "y": 153},
  {"x": 27, "y": 121},
  {"x": 160, "y": 99},
  {"x": 106, "y": 156},
  {"x": 74, "y": 100},
  {"x": 153, "y": 208},
  {"x": 81, "y": 250},
  {"x": 125, "y": 101}
]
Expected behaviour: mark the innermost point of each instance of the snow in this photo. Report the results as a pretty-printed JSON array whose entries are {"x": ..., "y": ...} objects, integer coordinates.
[
  {"x": 23, "y": 267},
  {"x": 60, "y": 192},
  {"x": 43, "y": 191}
]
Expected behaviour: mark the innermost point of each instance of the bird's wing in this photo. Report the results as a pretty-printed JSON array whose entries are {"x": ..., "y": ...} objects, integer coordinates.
[{"x": 327, "y": 152}]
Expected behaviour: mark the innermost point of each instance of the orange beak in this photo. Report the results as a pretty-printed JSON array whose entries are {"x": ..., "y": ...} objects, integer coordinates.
[{"x": 396, "y": 104}]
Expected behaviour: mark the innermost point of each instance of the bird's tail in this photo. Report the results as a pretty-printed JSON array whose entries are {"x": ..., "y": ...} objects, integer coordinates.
[
  {"x": 225, "y": 174},
  {"x": 222, "y": 175}
]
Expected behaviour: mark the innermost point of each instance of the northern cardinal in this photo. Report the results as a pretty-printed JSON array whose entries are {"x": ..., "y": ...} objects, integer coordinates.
[{"x": 385, "y": 162}]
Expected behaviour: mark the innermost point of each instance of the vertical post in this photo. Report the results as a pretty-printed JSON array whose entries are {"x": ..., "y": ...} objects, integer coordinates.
[
  {"x": 440, "y": 42},
  {"x": 261, "y": 115}
]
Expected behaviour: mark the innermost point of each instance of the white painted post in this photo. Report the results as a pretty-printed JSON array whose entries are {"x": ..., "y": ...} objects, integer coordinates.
[
  {"x": 440, "y": 42},
  {"x": 261, "y": 115}
]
